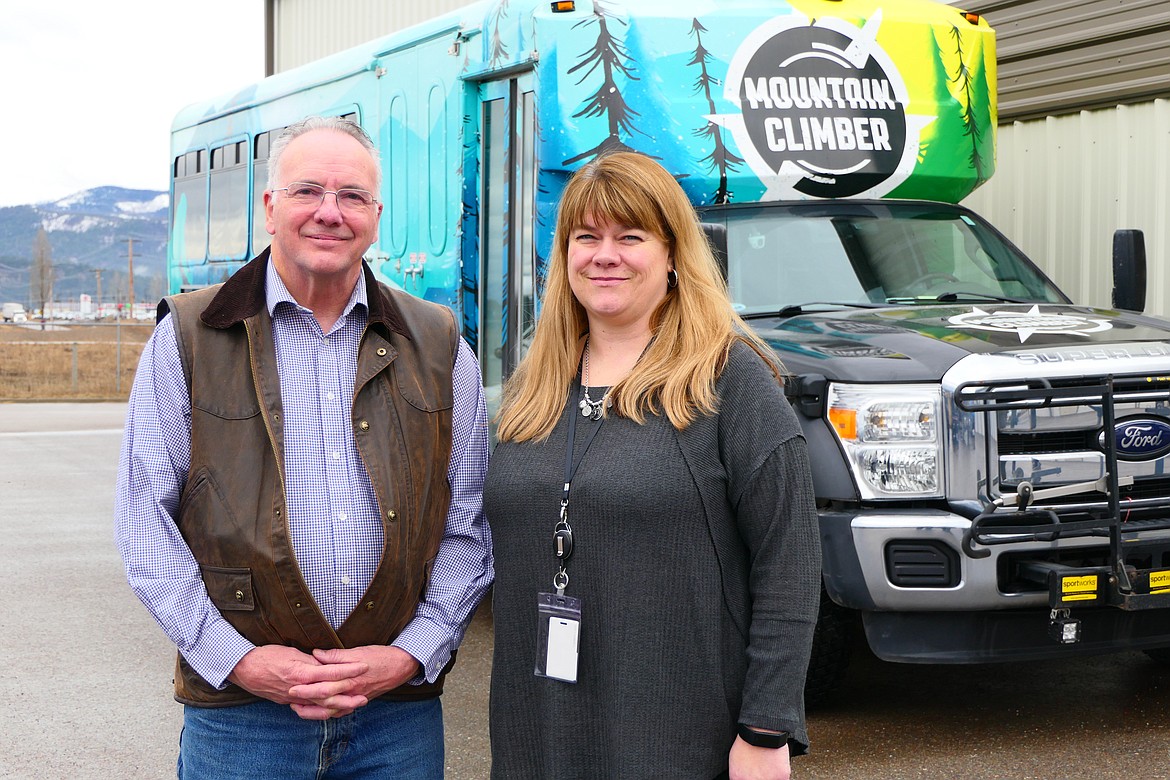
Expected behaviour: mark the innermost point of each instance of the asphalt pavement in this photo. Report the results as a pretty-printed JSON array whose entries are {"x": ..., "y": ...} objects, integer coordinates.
[{"x": 85, "y": 673}]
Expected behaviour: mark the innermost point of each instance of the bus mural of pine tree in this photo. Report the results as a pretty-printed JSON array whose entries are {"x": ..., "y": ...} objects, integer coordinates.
[
  {"x": 610, "y": 54},
  {"x": 499, "y": 52},
  {"x": 721, "y": 158},
  {"x": 964, "y": 79},
  {"x": 542, "y": 214}
]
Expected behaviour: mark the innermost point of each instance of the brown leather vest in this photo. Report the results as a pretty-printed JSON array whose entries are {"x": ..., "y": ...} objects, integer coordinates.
[{"x": 232, "y": 512}]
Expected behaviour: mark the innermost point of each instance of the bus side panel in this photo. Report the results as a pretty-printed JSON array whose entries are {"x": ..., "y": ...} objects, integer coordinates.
[{"x": 420, "y": 134}]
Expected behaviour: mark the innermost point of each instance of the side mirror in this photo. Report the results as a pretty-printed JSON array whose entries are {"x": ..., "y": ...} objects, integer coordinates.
[{"x": 1129, "y": 270}]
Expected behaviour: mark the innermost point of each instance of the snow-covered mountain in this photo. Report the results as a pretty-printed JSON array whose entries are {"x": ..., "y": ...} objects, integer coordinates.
[{"x": 87, "y": 231}]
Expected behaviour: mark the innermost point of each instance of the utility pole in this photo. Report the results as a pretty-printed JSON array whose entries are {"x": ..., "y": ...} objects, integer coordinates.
[
  {"x": 98, "y": 273},
  {"x": 130, "y": 255}
]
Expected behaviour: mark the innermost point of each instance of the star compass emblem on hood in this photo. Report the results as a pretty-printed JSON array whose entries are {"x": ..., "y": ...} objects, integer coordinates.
[{"x": 1026, "y": 323}]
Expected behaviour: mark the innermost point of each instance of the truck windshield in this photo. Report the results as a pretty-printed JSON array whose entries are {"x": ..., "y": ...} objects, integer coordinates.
[{"x": 783, "y": 255}]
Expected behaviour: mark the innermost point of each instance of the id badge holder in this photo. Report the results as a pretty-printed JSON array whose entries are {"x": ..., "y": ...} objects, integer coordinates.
[{"x": 558, "y": 636}]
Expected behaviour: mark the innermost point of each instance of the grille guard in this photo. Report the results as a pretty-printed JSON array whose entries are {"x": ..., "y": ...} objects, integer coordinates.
[{"x": 1012, "y": 518}]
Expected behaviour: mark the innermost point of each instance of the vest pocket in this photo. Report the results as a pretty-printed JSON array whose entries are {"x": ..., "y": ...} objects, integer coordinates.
[
  {"x": 205, "y": 518},
  {"x": 225, "y": 406},
  {"x": 230, "y": 589}
]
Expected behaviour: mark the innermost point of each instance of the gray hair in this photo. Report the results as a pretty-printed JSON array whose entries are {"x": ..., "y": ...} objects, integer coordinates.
[{"x": 310, "y": 123}]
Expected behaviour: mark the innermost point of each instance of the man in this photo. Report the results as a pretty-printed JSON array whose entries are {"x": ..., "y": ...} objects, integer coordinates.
[{"x": 299, "y": 493}]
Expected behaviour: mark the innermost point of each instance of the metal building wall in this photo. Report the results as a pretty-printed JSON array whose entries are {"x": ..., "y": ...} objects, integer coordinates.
[
  {"x": 1083, "y": 136},
  {"x": 1063, "y": 184},
  {"x": 301, "y": 31},
  {"x": 1056, "y": 55}
]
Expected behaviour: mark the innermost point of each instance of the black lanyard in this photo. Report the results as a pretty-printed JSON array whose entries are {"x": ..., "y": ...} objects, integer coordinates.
[{"x": 563, "y": 532}]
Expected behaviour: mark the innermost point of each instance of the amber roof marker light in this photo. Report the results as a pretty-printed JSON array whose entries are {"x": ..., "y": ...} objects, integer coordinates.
[{"x": 563, "y": 6}]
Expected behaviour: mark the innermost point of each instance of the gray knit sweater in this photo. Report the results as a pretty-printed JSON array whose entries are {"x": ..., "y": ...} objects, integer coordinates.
[{"x": 697, "y": 559}]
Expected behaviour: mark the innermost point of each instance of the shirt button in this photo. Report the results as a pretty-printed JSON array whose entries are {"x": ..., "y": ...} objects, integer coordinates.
[
  {"x": 337, "y": 456},
  {"x": 345, "y": 579},
  {"x": 329, "y": 396},
  {"x": 342, "y": 516}
]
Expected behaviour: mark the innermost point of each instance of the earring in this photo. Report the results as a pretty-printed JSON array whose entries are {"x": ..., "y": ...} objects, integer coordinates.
[{"x": 672, "y": 278}]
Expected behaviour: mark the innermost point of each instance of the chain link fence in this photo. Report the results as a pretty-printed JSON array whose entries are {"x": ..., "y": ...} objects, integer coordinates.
[{"x": 61, "y": 361}]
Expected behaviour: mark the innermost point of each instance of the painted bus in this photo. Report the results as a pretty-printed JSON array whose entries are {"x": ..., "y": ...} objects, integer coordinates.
[
  {"x": 826, "y": 145},
  {"x": 482, "y": 114}
]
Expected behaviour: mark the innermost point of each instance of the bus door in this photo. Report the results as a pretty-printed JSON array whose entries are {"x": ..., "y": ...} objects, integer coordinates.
[
  {"x": 420, "y": 108},
  {"x": 399, "y": 144},
  {"x": 507, "y": 257}
]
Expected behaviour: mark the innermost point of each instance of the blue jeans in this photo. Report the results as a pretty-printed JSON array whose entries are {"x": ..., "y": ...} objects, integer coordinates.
[{"x": 266, "y": 741}]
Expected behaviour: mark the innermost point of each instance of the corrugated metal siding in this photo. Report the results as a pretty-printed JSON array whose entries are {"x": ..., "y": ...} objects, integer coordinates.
[
  {"x": 1063, "y": 184},
  {"x": 1082, "y": 148},
  {"x": 1065, "y": 55},
  {"x": 306, "y": 30}
]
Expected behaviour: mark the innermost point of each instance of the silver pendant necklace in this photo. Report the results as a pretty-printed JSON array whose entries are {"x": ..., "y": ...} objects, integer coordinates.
[{"x": 590, "y": 408}]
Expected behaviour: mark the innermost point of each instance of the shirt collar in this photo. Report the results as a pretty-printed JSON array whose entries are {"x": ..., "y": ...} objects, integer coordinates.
[
  {"x": 245, "y": 294},
  {"x": 276, "y": 293}
]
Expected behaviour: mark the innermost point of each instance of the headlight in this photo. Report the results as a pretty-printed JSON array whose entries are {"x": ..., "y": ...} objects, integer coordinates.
[{"x": 890, "y": 436}]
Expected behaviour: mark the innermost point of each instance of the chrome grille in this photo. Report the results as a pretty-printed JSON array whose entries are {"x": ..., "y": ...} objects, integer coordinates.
[{"x": 1050, "y": 432}]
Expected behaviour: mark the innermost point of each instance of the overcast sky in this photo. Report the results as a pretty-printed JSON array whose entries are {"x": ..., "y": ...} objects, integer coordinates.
[{"x": 89, "y": 89}]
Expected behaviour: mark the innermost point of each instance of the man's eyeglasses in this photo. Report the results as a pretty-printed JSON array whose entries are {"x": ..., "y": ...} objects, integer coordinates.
[{"x": 305, "y": 194}]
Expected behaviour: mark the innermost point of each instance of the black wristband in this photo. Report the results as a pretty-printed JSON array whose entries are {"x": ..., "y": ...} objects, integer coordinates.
[{"x": 764, "y": 739}]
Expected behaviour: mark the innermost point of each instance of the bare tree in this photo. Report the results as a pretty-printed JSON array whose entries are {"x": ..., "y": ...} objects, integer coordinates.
[{"x": 41, "y": 276}]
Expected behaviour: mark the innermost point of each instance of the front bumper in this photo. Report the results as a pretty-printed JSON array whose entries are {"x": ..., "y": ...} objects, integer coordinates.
[{"x": 970, "y": 609}]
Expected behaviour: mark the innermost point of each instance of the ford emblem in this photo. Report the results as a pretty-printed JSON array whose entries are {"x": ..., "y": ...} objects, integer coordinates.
[{"x": 1140, "y": 438}]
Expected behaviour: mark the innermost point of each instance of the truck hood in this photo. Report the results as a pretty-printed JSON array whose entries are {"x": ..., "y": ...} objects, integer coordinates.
[{"x": 920, "y": 343}]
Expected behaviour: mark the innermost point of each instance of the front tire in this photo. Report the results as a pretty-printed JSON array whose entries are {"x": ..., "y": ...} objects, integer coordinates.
[
  {"x": 1160, "y": 655},
  {"x": 831, "y": 652}
]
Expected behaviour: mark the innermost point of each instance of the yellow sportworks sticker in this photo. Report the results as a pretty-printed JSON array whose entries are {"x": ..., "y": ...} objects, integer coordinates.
[
  {"x": 1160, "y": 582},
  {"x": 1080, "y": 588}
]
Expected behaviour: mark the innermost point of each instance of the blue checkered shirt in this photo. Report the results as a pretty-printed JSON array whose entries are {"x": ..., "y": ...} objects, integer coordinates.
[{"x": 334, "y": 523}]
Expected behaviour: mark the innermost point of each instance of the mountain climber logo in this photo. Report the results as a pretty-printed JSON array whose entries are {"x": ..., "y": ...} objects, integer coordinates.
[{"x": 823, "y": 110}]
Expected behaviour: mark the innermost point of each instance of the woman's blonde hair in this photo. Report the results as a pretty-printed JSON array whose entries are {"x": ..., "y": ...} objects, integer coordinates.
[{"x": 693, "y": 328}]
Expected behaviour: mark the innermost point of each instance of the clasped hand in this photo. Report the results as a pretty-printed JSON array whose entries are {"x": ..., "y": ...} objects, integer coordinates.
[{"x": 326, "y": 684}]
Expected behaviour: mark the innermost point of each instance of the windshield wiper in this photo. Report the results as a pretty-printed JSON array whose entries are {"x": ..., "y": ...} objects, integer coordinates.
[
  {"x": 955, "y": 295},
  {"x": 792, "y": 309}
]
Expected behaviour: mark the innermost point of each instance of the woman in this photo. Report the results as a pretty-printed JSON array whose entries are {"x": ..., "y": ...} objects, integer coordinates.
[{"x": 686, "y": 531}]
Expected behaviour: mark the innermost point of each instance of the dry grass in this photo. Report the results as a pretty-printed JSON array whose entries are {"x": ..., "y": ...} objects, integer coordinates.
[{"x": 94, "y": 361}]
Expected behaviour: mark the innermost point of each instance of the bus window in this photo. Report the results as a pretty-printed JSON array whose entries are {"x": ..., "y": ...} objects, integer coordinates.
[
  {"x": 228, "y": 233},
  {"x": 493, "y": 282},
  {"x": 260, "y": 237},
  {"x": 507, "y": 278},
  {"x": 526, "y": 279},
  {"x": 189, "y": 214}
]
